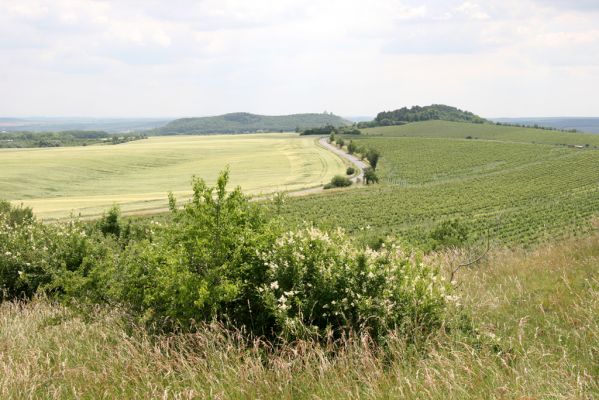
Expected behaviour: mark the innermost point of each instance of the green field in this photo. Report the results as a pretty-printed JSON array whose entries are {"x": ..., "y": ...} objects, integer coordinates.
[
  {"x": 522, "y": 191},
  {"x": 138, "y": 175},
  {"x": 459, "y": 130}
]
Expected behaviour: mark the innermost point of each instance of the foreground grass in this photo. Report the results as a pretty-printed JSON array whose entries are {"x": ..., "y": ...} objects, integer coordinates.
[{"x": 537, "y": 314}]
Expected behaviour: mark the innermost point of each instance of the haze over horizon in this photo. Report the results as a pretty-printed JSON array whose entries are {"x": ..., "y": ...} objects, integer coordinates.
[{"x": 509, "y": 58}]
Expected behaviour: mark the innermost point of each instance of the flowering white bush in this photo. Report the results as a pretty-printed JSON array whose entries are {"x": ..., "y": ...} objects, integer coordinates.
[{"x": 318, "y": 280}]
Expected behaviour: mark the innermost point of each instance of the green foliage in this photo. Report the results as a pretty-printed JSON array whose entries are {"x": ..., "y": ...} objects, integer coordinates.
[
  {"x": 322, "y": 131},
  {"x": 433, "y": 112},
  {"x": 15, "y": 215},
  {"x": 373, "y": 155},
  {"x": 318, "y": 281},
  {"x": 338, "y": 181},
  {"x": 331, "y": 130},
  {"x": 34, "y": 256},
  {"x": 109, "y": 223},
  {"x": 350, "y": 171},
  {"x": 351, "y": 147},
  {"x": 370, "y": 176},
  {"x": 63, "y": 138},
  {"x": 222, "y": 259},
  {"x": 450, "y": 233}
]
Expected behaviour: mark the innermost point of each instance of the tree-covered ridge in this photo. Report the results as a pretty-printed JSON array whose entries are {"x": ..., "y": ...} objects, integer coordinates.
[
  {"x": 63, "y": 138},
  {"x": 426, "y": 113},
  {"x": 245, "y": 122}
]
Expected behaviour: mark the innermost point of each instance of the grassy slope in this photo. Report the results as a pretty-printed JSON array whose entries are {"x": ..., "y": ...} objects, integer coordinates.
[
  {"x": 523, "y": 192},
  {"x": 538, "y": 315},
  {"x": 138, "y": 175}
]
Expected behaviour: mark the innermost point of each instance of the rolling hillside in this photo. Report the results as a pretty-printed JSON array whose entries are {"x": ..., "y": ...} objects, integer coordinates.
[
  {"x": 523, "y": 185},
  {"x": 245, "y": 123}
]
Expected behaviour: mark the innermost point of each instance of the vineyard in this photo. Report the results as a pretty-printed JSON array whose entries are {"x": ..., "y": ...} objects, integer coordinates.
[
  {"x": 457, "y": 130},
  {"x": 521, "y": 193}
]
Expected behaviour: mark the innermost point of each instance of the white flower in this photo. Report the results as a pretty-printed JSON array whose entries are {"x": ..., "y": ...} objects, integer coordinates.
[
  {"x": 8, "y": 254},
  {"x": 274, "y": 285}
]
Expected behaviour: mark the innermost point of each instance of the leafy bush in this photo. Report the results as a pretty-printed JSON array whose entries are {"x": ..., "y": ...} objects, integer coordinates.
[
  {"x": 221, "y": 259},
  {"x": 450, "y": 233},
  {"x": 338, "y": 181},
  {"x": 350, "y": 171},
  {"x": 373, "y": 156},
  {"x": 109, "y": 223},
  {"x": 316, "y": 281},
  {"x": 370, "y": 176},
  {"x": 34, "y": 256}
]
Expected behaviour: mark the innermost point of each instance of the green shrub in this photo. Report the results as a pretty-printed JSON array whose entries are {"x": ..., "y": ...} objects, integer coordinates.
[
  {"x": 350, "y": 171},
  {"x": 338, "y": 181},
  {"x": 318, "y": 281},
  {"x": 221, "y": 259},
  {"x": 33, "y": 256},
  {"x": 109, "y": 223},
  {"x": 450, "y": 233},
  {"x": 370, "y": 176}
]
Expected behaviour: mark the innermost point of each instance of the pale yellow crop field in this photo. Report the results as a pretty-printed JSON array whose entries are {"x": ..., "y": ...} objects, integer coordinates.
[{"x": 138, "y": 175}]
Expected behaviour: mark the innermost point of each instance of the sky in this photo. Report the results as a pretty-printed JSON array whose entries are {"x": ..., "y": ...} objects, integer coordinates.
[{"x": 148, "y": 58}]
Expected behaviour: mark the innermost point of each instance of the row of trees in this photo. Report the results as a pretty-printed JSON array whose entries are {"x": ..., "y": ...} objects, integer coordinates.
[
  {"x": 332, "y": 130},
  {"x": 372, "y": 155},
  {"x": 63, "y": 138}
]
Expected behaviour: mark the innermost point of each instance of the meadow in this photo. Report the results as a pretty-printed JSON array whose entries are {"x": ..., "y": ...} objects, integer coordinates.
[
  {"x": 138, "y": 175},
  {"x": 509, "y": 182},
  {"x": 537, "y": 327}
]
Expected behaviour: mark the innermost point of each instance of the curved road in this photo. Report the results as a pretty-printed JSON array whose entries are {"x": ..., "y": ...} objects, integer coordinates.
[
  {"x": 324, "y": 142},
  {"x": 301, "y": 192}
]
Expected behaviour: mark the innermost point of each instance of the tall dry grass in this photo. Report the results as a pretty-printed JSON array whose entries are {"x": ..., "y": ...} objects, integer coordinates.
[{"x": 537, "y": 316}]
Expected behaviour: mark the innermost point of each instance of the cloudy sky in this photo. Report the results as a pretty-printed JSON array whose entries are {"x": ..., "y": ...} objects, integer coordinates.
[{"x": 149, "y": 58}]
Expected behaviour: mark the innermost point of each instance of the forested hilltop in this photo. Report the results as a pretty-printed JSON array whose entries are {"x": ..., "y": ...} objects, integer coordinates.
[
  {"x": 246, "y": 122},
  {"x": 426, "y": 113}
]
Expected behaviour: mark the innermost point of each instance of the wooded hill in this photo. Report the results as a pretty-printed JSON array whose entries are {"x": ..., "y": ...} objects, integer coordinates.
[
  {"x": 246, "y": 122},
  {"x": 426, "y": 113}
]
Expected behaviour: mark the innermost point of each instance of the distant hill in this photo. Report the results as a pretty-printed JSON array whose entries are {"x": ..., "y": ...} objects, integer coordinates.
[
  {"x": 426, "y": 113},
  {"x": 245, "y": 122},
  {"x": 582, "y": 124},
  {"x": 56, "y": 124}
]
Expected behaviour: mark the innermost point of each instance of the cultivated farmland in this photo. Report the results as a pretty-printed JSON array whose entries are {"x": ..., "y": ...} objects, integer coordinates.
[
  {"x": 522, "y": 192},
  {"x": 138, "y": 175}
]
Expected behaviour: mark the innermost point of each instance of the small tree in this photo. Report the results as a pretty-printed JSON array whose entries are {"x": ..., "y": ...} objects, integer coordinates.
[
  {"x": 332, "y": 137},
  {"x": 351, "y": 147},
  {"x": 370, "y": 176},
  {"x": 373, "y": 157},
  {"x": 350, "y": 171},
  {"x": 340, "y": 142},
  {"x": 109, "y": 224}
]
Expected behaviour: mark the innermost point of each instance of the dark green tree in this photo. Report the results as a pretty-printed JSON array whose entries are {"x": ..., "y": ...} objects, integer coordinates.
[{"x": 370, "y": 176}]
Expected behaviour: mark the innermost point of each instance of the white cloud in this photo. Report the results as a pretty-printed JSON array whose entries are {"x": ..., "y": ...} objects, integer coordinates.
[{"x": 187, "y": 57}]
